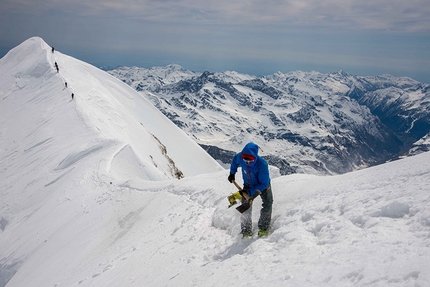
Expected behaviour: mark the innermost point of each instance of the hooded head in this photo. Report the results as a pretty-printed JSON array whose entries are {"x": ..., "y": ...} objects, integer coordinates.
[{"x": 250, "y": 151}]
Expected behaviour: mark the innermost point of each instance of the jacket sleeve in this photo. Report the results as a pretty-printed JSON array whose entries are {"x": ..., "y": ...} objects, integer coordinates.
[
  {"x": 263, "y": 178},
  {"x": 235, "y": 163}
]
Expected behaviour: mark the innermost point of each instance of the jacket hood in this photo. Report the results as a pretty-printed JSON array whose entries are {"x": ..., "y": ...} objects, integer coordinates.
[{"x": 251, "y": 148}]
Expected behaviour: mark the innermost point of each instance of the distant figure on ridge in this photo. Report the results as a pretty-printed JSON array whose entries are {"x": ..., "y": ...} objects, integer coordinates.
[
  {"x": 73, "y": 95},
  {"x": 65, "y": 84},
  {"x": 56, "y": 67},
  {"x": 53, "y": 49}
]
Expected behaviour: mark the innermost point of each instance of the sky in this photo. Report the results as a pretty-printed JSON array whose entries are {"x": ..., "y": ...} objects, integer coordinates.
[{"x": 254, "y": 37}]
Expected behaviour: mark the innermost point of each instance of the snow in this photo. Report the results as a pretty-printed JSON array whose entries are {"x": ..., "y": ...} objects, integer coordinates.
[{"x": 88, "y": 199}]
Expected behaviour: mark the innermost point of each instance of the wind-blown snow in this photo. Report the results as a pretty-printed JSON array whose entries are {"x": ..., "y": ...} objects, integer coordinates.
[{"x": 89, "y": 199}]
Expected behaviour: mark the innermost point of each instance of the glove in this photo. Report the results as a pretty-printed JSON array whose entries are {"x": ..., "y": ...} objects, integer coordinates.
[
  {"x": 251, "y": 198},
  {"x": 232, "y": 198},
  {"x": 237, "y": 195},
  {"x": 257, "y": 193},
  {"x": 231, "y": 177}
]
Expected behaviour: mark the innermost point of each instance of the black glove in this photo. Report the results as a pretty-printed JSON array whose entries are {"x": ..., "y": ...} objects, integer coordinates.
[
  {"x": 257, "y": 193},
  {"x": 251, "y": 198},
  {"x": 231, "y": 177}
]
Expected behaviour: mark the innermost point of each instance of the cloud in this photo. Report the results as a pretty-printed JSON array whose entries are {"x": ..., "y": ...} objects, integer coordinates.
[
  {"x": 251, "y": 36},
  {"x": 397, "y": 15}
]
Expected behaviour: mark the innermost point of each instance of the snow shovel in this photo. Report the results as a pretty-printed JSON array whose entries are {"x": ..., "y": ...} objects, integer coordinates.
[{"x": 247, "y": 204}]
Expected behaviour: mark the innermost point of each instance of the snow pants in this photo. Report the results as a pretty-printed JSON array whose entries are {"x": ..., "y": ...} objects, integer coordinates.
[{"x": 265, "y": 213}]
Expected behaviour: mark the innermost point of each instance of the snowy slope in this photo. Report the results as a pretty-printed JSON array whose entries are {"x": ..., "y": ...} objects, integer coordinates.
[
  {"x": 108, "y": 133},
  {"x": 113, "y": 113},
  {"x": 79, "y": 209}
]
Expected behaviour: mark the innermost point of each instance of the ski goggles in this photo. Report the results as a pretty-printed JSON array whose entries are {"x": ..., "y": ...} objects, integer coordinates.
[{"x": 248, "y": 158}]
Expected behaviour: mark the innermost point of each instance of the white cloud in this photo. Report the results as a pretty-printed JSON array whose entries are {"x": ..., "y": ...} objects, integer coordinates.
[{"x": 400, "y": 15}]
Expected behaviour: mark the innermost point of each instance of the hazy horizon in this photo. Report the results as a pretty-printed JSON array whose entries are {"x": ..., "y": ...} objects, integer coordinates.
[{"x": 257, "y": 38}]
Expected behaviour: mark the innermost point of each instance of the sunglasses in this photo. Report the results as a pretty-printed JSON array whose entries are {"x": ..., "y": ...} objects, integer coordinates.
[{"x": 248, "y": 160}]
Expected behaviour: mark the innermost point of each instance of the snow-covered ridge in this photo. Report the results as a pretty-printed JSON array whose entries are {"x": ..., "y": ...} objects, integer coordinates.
[{"x": 104, "y": 107}]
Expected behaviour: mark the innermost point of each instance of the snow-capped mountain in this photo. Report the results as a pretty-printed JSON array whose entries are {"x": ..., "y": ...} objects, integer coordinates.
[
  {"x": 123, "y": 120},
  {"x": 304, "y": 122},
  {"x": 152, "y": 79},
  {"x": 402, "y": 104},
  {"x": 64, "y": 149},
  {"x": 88, "y": 197},
  {"x": 423, "y": 145}
]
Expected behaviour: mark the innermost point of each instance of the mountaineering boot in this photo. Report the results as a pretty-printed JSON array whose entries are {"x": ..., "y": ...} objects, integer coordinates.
[
  {"x": 262, "y": 232},
  {"x": 247, "y": 235}
]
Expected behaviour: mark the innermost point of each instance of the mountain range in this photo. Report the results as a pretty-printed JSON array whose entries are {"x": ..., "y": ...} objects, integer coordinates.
[{"x": 304, "y": 122}]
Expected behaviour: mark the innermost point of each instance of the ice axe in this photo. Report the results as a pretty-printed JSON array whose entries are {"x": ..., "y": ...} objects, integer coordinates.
[{"x": 247, "y": 204}]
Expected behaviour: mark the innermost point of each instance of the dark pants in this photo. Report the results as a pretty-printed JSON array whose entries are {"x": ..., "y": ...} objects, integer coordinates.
[{"x": 265, "y": 213}]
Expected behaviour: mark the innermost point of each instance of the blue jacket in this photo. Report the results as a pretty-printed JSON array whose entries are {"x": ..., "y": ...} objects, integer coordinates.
[{"x": 256, "y": 174}]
